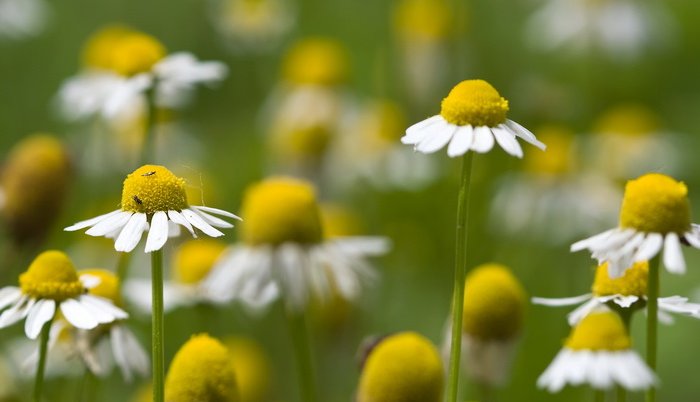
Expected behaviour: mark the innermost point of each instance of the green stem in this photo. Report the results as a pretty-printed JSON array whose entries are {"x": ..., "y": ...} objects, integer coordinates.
[
  {"x": 88, "y": 387},
  {"x": 302, "y": 350},
  {"x": 487, "y": 392},
  {"x": 652, "y": 320},
  {"x": 621, "y": 394},
  {"x": 41, "y": 367},
  {"x": 460, "y": 273},
  {"x": 599, "y": 396},
  {"x": 157, "y": 337}
]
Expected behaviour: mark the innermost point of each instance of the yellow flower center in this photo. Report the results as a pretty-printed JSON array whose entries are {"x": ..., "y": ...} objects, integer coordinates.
[
  {"x": 318, "y": 61},
  {"x": 560, "y": 156},
  {"x": 109, "y": 286},
  {"x": 51, "y": 276},
  {"x": 123, "y": 50},
  {"x": 494, "y": 303},
  {"x": 599, "y": 331},
  {"x": 280, "y": 210},
  {"x": 252, "y": 369},
  {"x": 153, "y": 188},
  {"x": 308, "y": 142},
  {"x": 98, "y": 48},
  {"x": 402, "y": 367},
  {"x": 195, "y": 258},
  {"x": 476, "y": 103},
  {"x": 629, "y": 119},
  {"x": 201, "y": 371},
  {"x": 632, "y": 283},
  {"x": 655, "y": 203},
  {"x": 422, "y": 19}
]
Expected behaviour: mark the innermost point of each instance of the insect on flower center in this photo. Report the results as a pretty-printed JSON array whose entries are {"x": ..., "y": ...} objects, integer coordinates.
[
  {"x": 494, "y": 303},
  {"x": 51, "y": 276},
  {"x": 599, "y": 331},
  {"x": 655, "y": 203},
  {"x": 475, "y": 103},
  {"x": 632, "y": 283},
  {"x": 280, "y": 210},
  {"x": 109, "y": 286},
  {"x": 195, "y": 259},
  {"x": 153, "y": 188}
]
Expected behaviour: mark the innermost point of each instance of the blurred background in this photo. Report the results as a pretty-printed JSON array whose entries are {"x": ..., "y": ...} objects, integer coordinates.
[{"x": 324, "y": 90}]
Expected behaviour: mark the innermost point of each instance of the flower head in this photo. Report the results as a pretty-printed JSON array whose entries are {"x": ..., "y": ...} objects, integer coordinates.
[
  {"x": 402, "y": 367},
  {"x": 122, "y": 50},
  {"x": 472, "y": 116},
  {"x": 201, "y": 371},
  {"x": 316, "y": 61},
  {"x": 153, "y": 200},
  {"x": 252, "y": 368},
  {"x": 422, "y": 20},
  {"x": 632, "y": 283}
]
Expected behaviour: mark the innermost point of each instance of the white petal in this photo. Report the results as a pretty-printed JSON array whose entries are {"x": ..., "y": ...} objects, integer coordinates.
[
  {"x": 104, "y": 308},
  {"x": 216, "y": 211},
  {"x": 179, "y": 219},
  {"x": 89, "y": 281},
  {"x": 525, "y": 134},
  {"x": 9, "y": 295},
  {"x": 586, "y": 243},
  {"x": 461, "y": 141},
  {"x": 564, "y": 301},
  {"x": 417, "y": 132},
  {"x": 582, "y": 311},
  {"x": 77, "y": 315},
  {"x": 130, "y": 236},
  {"x": 483, "y": 139},
  {"x": 42, "y": 312},
  {"x": 439, "y": 137},
  {"x": 90, "y": 222},
  {"x": 200, "y": 224},
  {"x": 693, "y": 238},
  {"x": 16, "y": 312},
  {"x": 119, "y": 352},
  {"x": 109, "y": 224},
  {"x": 673, "y": 255},
  {"x": 625, "y": 301},
  {"x": 507, "y": 141},
  {"x": 158, "y": 233},
  {"x": 650, "y": 247},
  {"x": 213, "y": 220}
]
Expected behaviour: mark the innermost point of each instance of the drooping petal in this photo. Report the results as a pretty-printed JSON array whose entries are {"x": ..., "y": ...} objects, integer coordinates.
[
  {"x": 180, "y": 220},
  {"x": 216, "y": 211},
  {"x": 673, "y": 255},
  {"x": 109, "y": 224},
  {"x": 130, "y": 236},
  {"x": 158, "y": 233},
  {"x": 483, "y": 139},
  {"x": 90, "y": 222},
  {"x": 563, "y": 301},
  {"x": 197, "y": 221},
  {"x": 76, "y": 314},
  {"x": 461, "y": 141},
  {"x": 42, "y": 312},
  {"x": 507, "y": 141}
]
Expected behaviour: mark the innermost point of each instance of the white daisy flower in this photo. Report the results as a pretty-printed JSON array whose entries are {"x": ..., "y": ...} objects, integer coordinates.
[
  {"x": 51, "y": 283},
  {"x": 655, "y": 215},
  {"x": 626, "y": 292},
  {"x": 472, "y": 117},
  {"x": 153, "y": 201},
  {"x": 598, "y": 352},
  {"x": 284, "y": 253},
  {"x": 22, "y": 18}
]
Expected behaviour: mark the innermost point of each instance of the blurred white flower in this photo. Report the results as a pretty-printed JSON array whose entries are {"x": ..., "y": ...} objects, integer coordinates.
[
  {"x": 253, "y": 25},
  {"x": 22, "y": 18}
]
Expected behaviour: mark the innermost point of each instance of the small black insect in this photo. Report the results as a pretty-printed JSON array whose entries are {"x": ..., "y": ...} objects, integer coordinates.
[
  {"x": 149, "y": 173},
  {"x": 137, "y": 200}
]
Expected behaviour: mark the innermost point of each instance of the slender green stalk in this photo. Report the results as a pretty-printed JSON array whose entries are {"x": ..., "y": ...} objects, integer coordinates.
[
  {"x": 460, "y": 273},
  {"x": 652, "y": 320},
  {"x": 88, "y": 387},
  {"x": 41, "y": 367},
  {"x": 302, "y": 350},
  {"x": 487, "y": 392},
  {"x": 621, "y": 394},
  {"x": 599, "y": 396},
  {"x": 157, "y": 337}
]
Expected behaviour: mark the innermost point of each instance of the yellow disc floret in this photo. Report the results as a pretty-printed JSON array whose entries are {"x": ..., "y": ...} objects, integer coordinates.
[
  {"x": 123, "y": 50},
  {"x": 632, "y": 283},
  {"x": 280, "y": 210},
  {"x": 316, "y": 61},
  {"x": 655, "y": 203},
  {"x": 494, "y": 303},
  {"x": 252, "y": 369},
  {"x": 560, "y": 157},
  {"x": 629, "y": 120},
  {"x": 599, "y": 331},
  {"x": 195, "y": 258},
  {"x": 404, "y": 367},
  {"x": 97, "y": 51},
  {"x": 475, "y": 103},
  {"x": 201, "y": 371},
  {"x": 153, "y": 188},
  {"x": 422, "y": 19},
  {"x": 51, "y": 276},
  {"x": 109, "y": 286}
]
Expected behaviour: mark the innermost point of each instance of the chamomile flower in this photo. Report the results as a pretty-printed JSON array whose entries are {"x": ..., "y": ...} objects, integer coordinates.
[
  {"x": 494, "y": 309},
  {"x": 154, "y": 201},
  {"x": 284, "y": 252},
  {"x": 22, "y": 18},
  {"x": 401, "y": 367},
  {"x": 51, "y": 283},
  {"x": 626, "y": 292},
  {"x": 253, "y": 26},
  {"x": 201, "y": 371},
  {"x": 655, "y": 215},
  {"x": 472, "y": 117},
  {"x": 252, "y": 368},
  {"x": 192, "y": 263},
  {"x": 599, "y": 353}
]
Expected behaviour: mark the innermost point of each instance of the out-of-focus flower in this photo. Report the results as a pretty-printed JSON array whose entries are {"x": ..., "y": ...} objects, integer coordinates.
[
  {"x": 599, "y": 353},
  {"x": 655, "y": 215},
  {"x": 284, "y": 252},
  {"x": 22, "y": 18},
  {"x": 627, "y": 292},
  {"x": 154, "y": 201},
  {"x": 252, "y": 368},
  {"x": 401, "y": 367},
  {"x": 253, "y": 25},
  {"x": 33, "y": 184},
  {"x": 472, "y": 117},
  {"x": 201, "y": 370},
  {"x": 621, "y": 29}
]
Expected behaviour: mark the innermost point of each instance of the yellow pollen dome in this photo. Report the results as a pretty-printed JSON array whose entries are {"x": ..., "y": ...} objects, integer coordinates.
[
  {"x": 422, "y": 19},
  {"x": 51, "y": 276},
  {"x": 251, "y": 367},
  {"x": 404, "y": 367},
  {"x": 195, "y": 258},
  {"x": 98, "y": 48},
  {"x": 560, "y": 157},
  {"x": 308, "y": 142},
  {"x": 632, "y": 283},
  {"x": 109, "y": 286},
  {"x": 494, "y": 303},
  {"x": 628, "y": 119},
  {"x": 280, "y": 210},
  {"x": 655, "y": 203},
  {"x": 201, "y": 371},
  {"x": 599, "y": 331},
  {"x": 316, "y": 61},
  {"x": 135, "y": 53},
  {"x": 475, "y": 103},
  {"x": 153, "y": 188}
]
